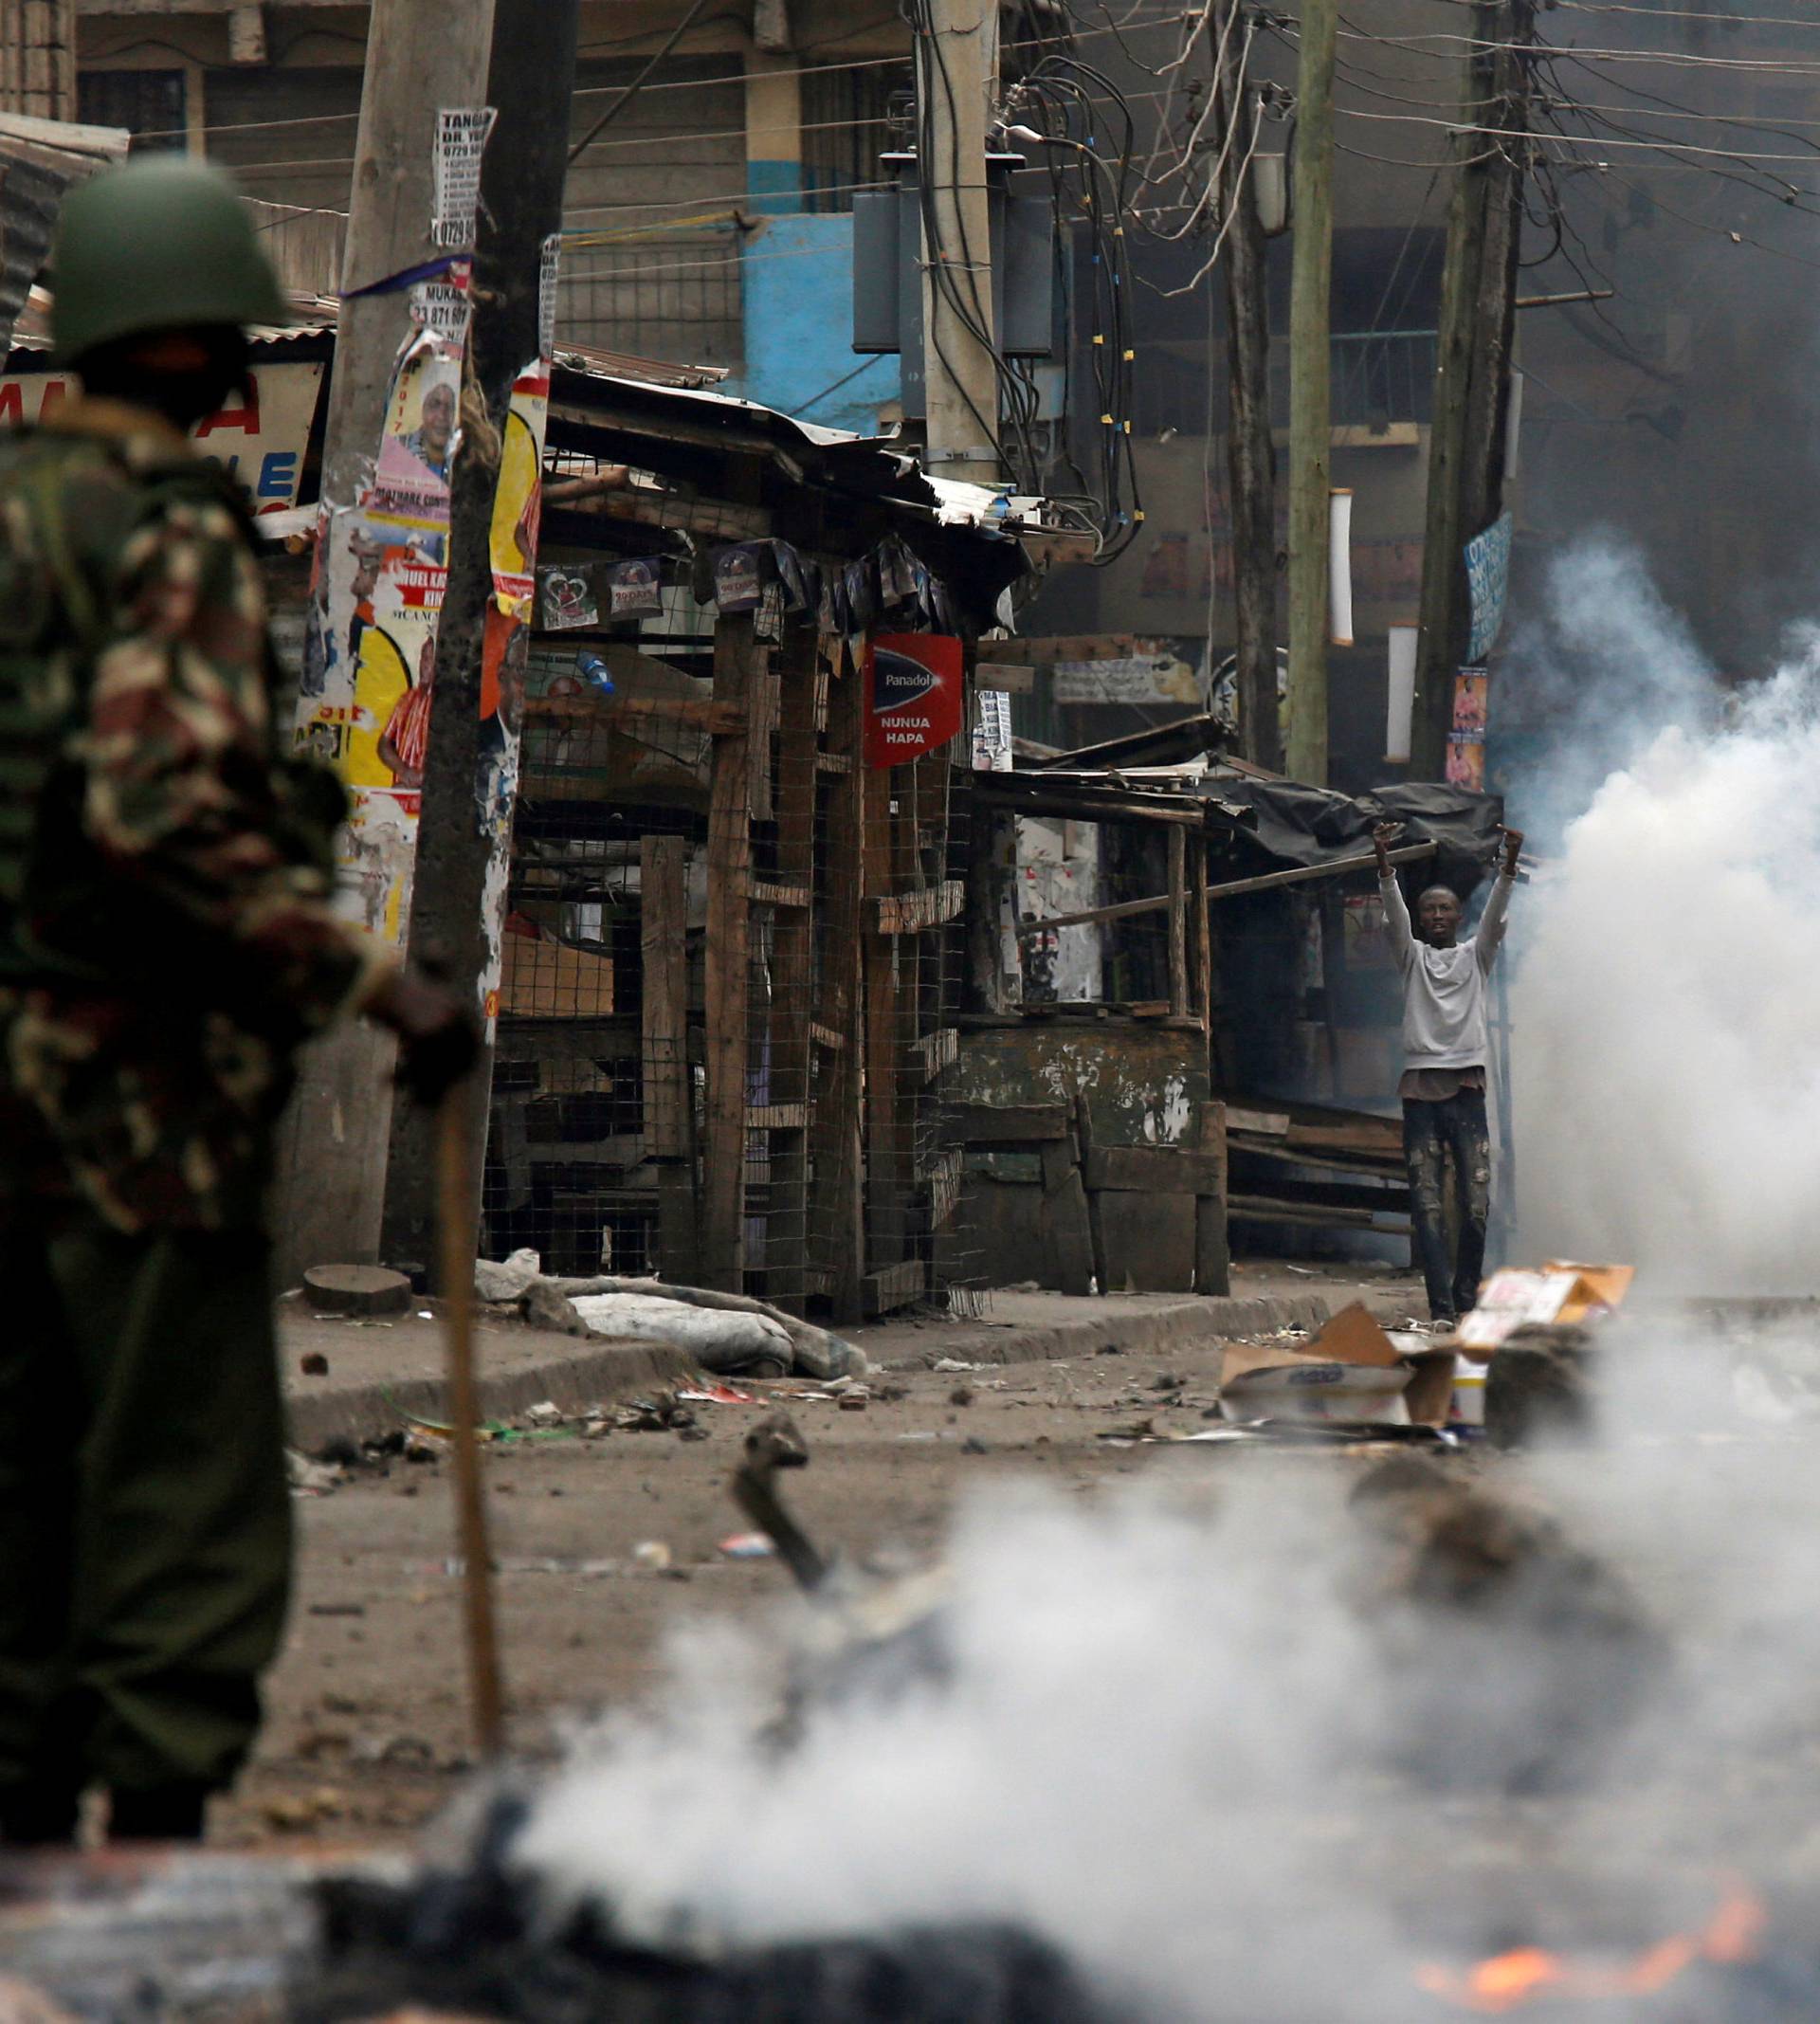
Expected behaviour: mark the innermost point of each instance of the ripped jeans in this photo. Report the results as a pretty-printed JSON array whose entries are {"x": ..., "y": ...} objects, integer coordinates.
[{"x": 1458, "y": 1125}]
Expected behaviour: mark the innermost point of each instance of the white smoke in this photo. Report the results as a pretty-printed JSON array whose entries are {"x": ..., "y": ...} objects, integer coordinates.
[{"x": 1666, "y": 1049}]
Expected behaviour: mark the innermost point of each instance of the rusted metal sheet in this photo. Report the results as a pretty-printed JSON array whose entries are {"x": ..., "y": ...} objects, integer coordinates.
[{"x": 1141, "y": 1082}]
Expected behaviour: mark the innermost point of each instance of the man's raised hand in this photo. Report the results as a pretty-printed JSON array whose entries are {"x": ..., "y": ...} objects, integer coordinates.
[
  {"x": 1383, "y": 836},
  {"x": 1513, "y": 849}
]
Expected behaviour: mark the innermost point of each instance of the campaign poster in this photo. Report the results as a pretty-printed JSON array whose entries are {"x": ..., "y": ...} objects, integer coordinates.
[{"x": 915, "y": 695}]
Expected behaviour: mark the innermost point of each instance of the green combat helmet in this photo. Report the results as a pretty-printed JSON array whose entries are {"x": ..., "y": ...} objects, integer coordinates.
[{"x": 159, "y": 243}]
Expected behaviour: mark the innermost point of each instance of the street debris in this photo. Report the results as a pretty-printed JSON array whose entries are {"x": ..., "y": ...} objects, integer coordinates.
[
  {"x": 1351, "y": 1372},
  {"x": 507, "y": 1279},
  {"x": 747, "y": 1546}
]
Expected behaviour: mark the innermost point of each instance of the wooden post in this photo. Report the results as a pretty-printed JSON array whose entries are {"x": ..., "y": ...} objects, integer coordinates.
[
  {"x": 837, "y": 1209},
  {"x": 1096, "y": 1219},
  {"x": 1250, "y": 455},
  {"x": 1177, "y": 921},
  {"x": 791, "y": 964},
  {"x": 1203, "y": 941},
  {"x": 1310, "y": 419},
  {"x": 728, "y": 969},
  {"x": 664, "y": 919},
  {"x": 1471, "y": 365},
  {"x": 884, "y": 1163},
  {"x": 1212, "y": 1256}
]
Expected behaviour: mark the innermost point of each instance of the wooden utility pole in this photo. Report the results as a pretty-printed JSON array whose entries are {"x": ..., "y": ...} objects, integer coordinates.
[
  {"x": 421, "y": 55},
  {"x": 456, "y": 911},
  {"x": 1472, "y": 360},
  {"x": 956, "y": 59},
  {"x": 1251, "y": 458},
  {"x": 1310, "y": 426}
]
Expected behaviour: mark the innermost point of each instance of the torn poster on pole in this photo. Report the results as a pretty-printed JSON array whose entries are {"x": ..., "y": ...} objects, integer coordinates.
[
  {"x": 1467, "y": 735},
  {"x": 462, "y": 135},
  {"x": 915, "y": 688},
  {"x": 1488, "y": 584}
]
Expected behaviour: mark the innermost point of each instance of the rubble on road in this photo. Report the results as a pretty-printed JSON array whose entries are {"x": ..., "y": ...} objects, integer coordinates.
[{"x": 729, "y": 1334}]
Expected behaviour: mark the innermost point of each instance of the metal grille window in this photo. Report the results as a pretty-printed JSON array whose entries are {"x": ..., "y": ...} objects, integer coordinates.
[
  {"x": 651, "y": 214},
  {"x": 847, "y": 126},
  {"x": 150, "y": 104}
]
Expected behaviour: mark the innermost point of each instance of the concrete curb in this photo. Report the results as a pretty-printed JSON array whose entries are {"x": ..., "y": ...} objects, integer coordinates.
[
  {"x": 602, "y": 1370},
  {"x": 1141, "y": 1335}
]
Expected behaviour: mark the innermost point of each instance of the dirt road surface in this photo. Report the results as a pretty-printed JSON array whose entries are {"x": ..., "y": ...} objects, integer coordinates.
[{"x": 367, "y": 1732}]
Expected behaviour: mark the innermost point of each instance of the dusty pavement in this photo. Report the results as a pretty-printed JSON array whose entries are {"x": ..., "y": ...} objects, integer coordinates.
[{"x": 367, "y": 1733}]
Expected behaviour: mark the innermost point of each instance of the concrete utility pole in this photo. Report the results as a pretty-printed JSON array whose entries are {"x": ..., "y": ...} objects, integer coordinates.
[
  {"x": 421, "y": 55},
  {"x": 1310, "y": 394},
  {"x": 456, "y": 916},
  {"x": 956, "y": 59},
  {"x": 1251, "y": 458},
  {"x": 1472, "y": 362}
]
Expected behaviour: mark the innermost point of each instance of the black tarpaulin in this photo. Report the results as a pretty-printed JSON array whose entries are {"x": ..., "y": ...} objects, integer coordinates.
[{"x": 1307, "y": 827}]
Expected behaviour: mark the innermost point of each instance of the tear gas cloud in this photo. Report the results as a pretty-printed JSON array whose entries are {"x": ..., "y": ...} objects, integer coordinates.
[{"x": 1665, "y": 1044}]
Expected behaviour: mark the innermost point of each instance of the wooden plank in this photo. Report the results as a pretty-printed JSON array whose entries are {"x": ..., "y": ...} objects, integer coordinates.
[
  {"x": 669, "y": 1111},
  {"x": 1119, "y": 910},
  {"x": 768, "y": 892},
  {"x": 1064, "y": 1216},
  {"x": 762, "y": 702},
  {"x": 942, "y": 1174},
  {"x": 1203, "y": 957},
  {"x": 1151, "y": 1170},
  {"x": 792, "y": 961},
  {"x": 1004, "y": 1123},
  {"x": 935, "y": 1051},
  {"x": 728, "y": 979},
  {"x": 1267, "y": 1124},
  {"x": 911, "y": 913},
  {"x": 896, "y": 1285},
  {"x": 1011, "y": 678},
  {"x": 627, "y": 713},
  {"x": 1389, "y": 1167},
  {"x": 1178, "y": 1001},
  {"x": 1063, "y": 646},
  {"x": 1261, "y": 1209},
  {"x": 1267, "y": 881},
  {"x": 836, "y": 1215},
  {"x": 1383, "y": 1138},
  {"x": 1213, "y": 1251}
]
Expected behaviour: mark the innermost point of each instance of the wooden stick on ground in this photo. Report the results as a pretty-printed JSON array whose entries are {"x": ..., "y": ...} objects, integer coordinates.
[{"x": 456, "y": 1209}]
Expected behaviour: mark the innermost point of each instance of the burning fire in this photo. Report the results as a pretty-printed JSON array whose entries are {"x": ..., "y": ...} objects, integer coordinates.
[{"x": 1531, "y": 1973}]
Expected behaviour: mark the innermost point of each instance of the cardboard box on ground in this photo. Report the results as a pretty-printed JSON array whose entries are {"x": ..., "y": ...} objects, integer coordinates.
[{"x": 1352, "y": 1371}]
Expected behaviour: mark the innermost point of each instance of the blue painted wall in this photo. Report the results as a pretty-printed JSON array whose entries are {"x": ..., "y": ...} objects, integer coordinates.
[{"x": 799, "y": 325}]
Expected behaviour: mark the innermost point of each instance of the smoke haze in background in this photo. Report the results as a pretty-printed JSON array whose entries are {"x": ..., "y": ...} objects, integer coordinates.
[{"x": 1665, "y": 996}]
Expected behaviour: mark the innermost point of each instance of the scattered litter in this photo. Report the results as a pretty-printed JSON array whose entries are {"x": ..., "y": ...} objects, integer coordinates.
[
  {"x": 425, "y": 1315},
  {"x": 311, "y": 1479},
  {"x": 546, "y": 1413},
  {"x": 749, "y": 1546},
  {"x": 1302, "y": 1272},
  {"x": 972, "y": 1445},
  {"x": 1291, "y": 1433},
  {"x": 918, "y": 1436},
  {"x": 507, "y": 1281},
  {"x": 950, "y": 1364},
  {"x": 653, "y": 1553},
  {"x": 313, "y": 1363},
  {"x": 547, "y": 1563},
  {"x": 717, "y": 1394},
  {"x": 855, "y": 1400}
]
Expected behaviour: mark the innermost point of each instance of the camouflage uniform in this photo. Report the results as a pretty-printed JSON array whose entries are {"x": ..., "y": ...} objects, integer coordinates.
[{"x": 165, "y": 946}]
